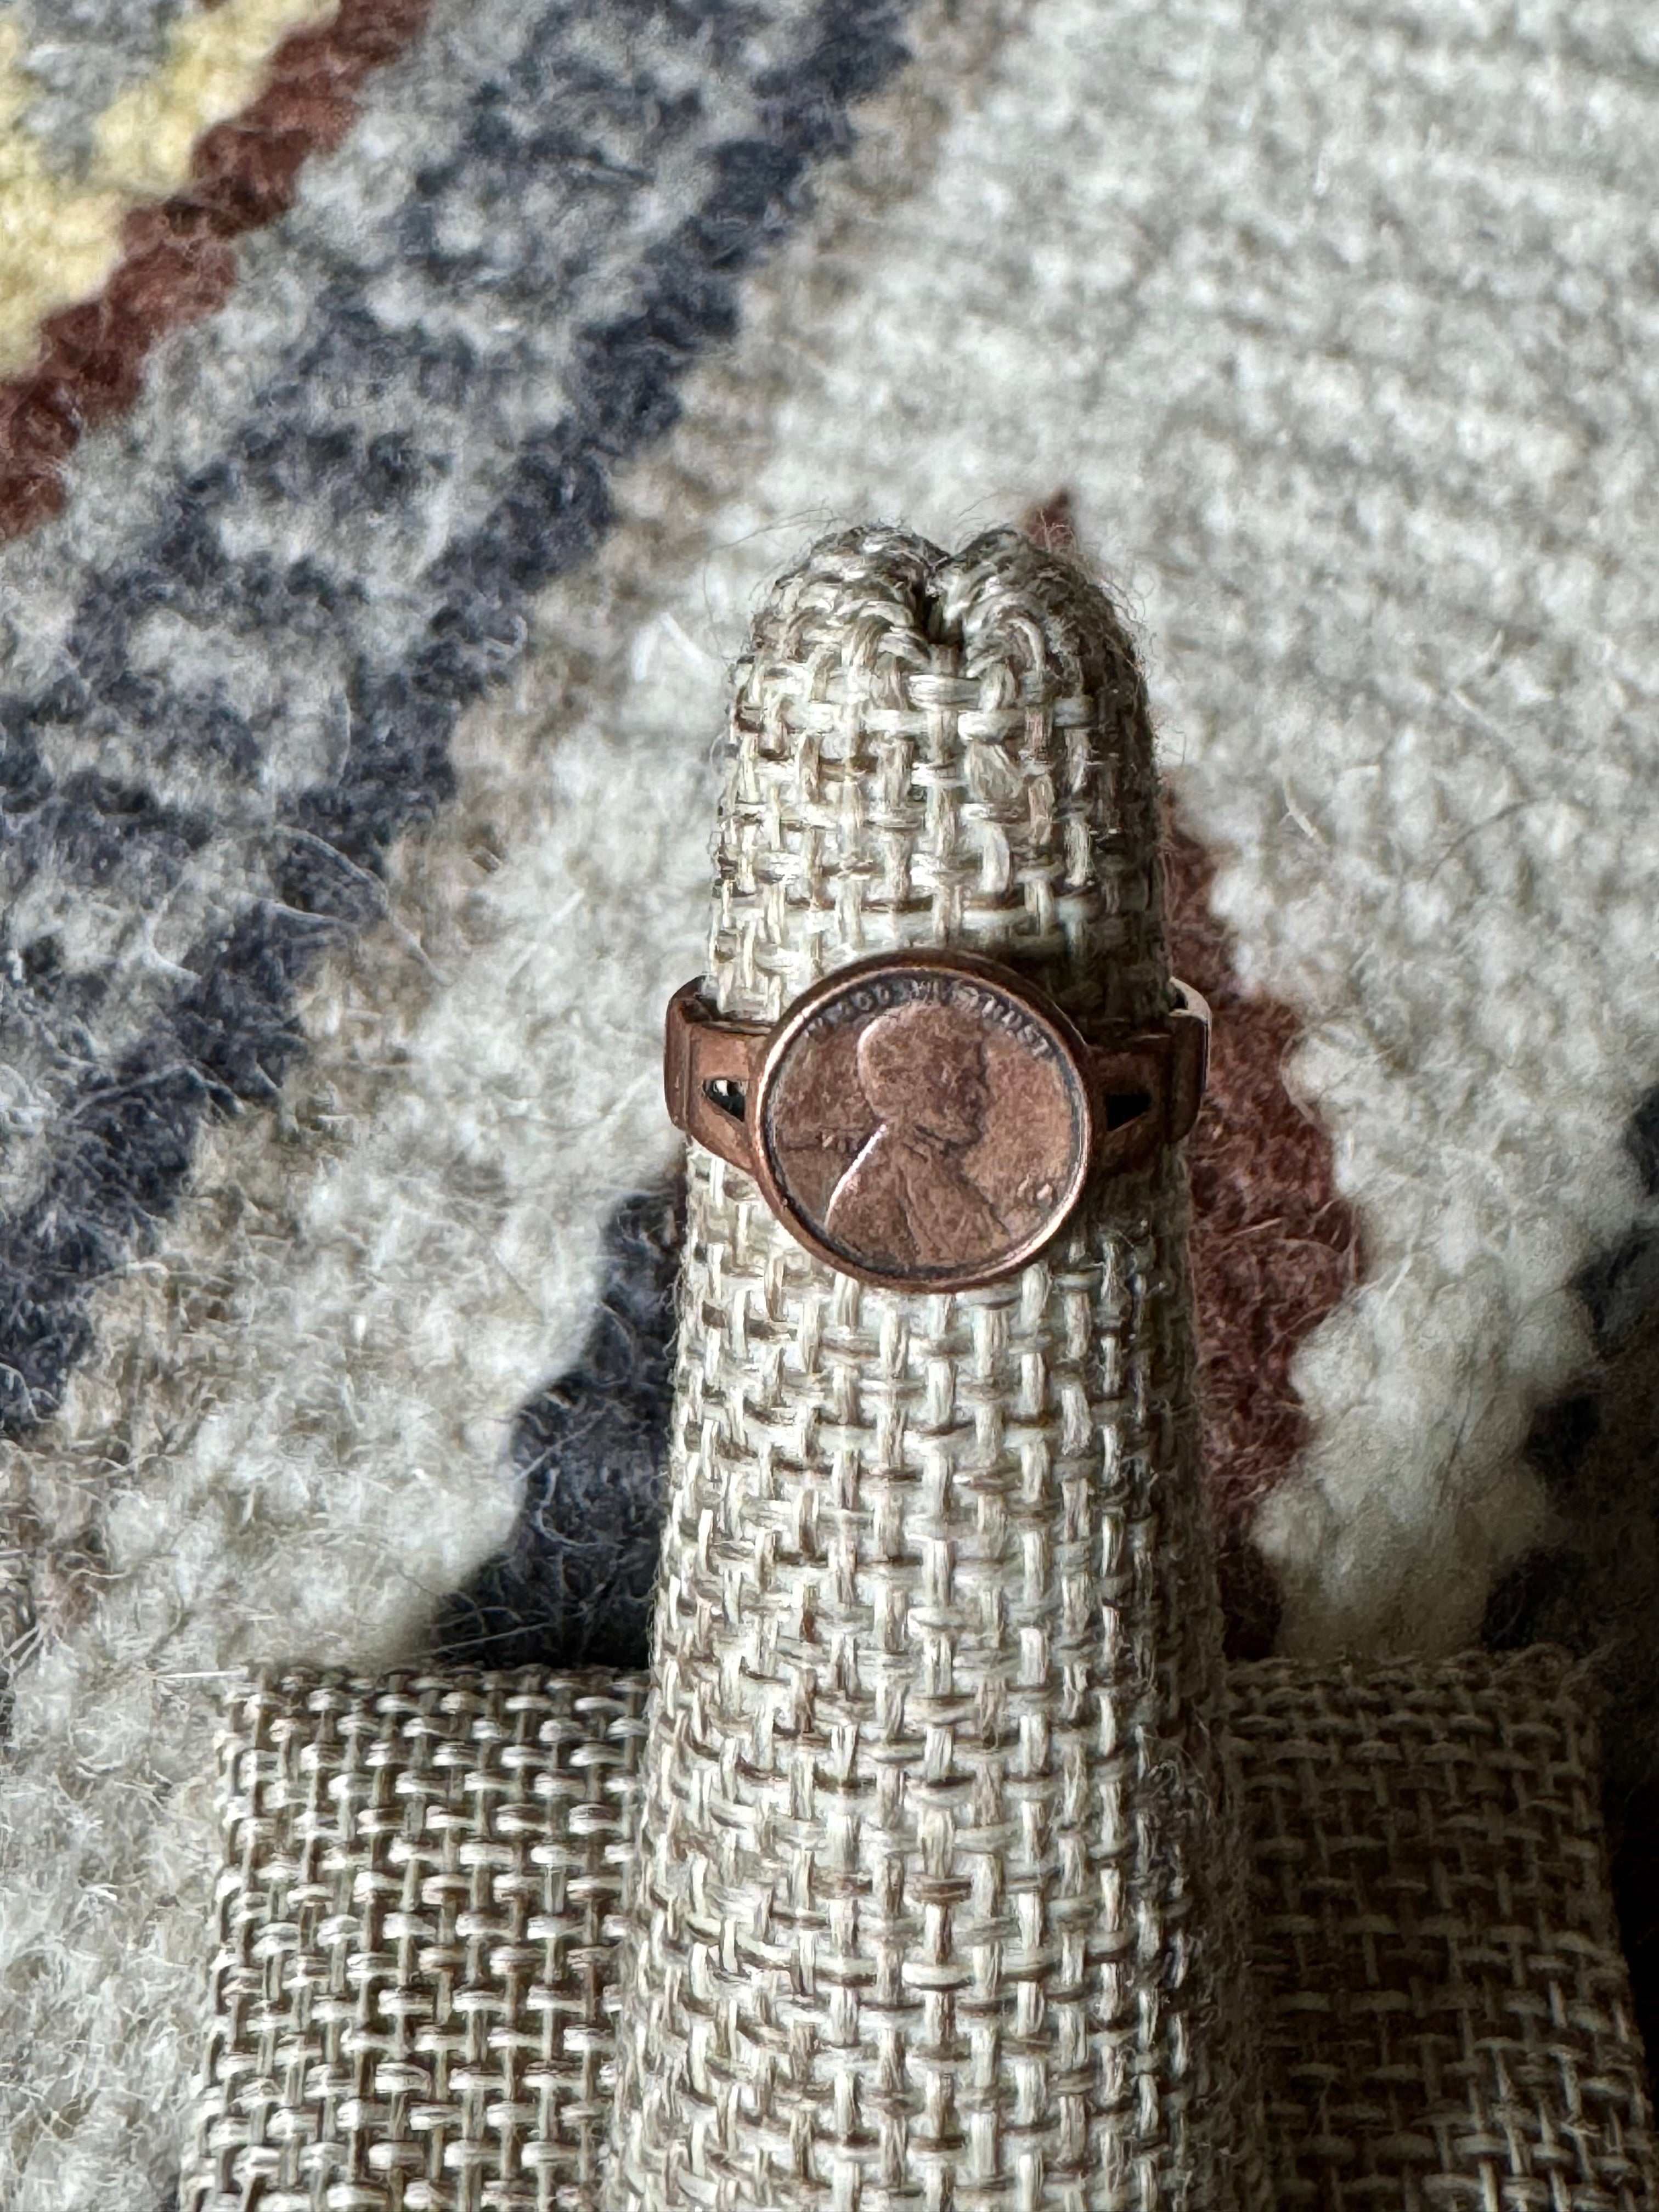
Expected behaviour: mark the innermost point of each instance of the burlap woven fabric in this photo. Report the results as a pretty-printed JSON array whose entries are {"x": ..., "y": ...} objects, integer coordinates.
[
  {"x": 937, "y": 1878},
  {"x": 1449, "y": 2017},
  {"x": 408, "y": 2000}
]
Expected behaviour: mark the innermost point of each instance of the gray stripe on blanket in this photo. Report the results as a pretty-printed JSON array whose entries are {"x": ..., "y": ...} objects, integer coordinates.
[{"x": 237, "y": 707}]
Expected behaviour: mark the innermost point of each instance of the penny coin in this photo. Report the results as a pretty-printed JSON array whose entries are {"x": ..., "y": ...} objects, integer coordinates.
[{"x": 922, "y": 1123}]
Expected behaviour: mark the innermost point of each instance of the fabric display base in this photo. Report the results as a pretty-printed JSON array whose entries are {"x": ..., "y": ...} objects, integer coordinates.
[{"x": 415, "y": 1950}]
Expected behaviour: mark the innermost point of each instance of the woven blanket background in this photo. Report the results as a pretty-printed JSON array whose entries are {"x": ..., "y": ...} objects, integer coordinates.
[{"x": 404, "y": 405}]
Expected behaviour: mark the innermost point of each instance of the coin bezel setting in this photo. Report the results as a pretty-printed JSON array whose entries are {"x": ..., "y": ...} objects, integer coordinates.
[{"x": 1130, "y": 1095}]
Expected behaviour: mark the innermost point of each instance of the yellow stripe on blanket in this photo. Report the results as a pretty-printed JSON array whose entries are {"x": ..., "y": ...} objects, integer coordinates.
[{"x": 60, "y": 238}]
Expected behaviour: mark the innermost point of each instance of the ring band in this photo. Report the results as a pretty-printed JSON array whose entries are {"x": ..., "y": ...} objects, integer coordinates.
[{"x": 927, "y": 1119}]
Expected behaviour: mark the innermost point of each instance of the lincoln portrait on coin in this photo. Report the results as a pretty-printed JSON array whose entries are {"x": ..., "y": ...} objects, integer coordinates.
[{"x": 906, "y": 1199}]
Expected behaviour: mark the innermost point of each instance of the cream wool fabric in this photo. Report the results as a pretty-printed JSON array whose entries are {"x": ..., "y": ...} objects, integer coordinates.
[
  {"x": 79, "y": 57},
  {"x": 298, "y": 1418},
  {"x": 60, "y": 237},
  {"x": 1337, "y": 325},
  {"x": 289, "y": 1437},
  {"x": 1350, "y": 368},
  {"x": 432, "y": 371}
]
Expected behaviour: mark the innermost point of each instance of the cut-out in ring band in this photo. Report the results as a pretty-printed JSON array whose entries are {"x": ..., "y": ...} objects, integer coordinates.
[{"x": 927, "y": 1121}]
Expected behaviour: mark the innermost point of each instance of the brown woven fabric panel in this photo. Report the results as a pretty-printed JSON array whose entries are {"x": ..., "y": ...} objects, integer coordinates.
[
  {"x": 1448, "y": 2017},
  {"x": 406, "y": 2006}
]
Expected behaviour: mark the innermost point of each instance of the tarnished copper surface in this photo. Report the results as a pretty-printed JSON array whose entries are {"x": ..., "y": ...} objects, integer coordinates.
[
  {"x": 926, "y": 1120},
  {"x": 706, "y": 1060},
  {"x": 921, "y": 1123}
]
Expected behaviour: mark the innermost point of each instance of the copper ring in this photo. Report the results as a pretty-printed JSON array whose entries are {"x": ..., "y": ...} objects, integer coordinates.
[{"x": 927, "y": 1119}]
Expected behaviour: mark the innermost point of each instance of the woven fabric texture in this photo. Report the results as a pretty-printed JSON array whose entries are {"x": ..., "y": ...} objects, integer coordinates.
[
  {"x": 938, "y": 1872},
  {"x": 408, "y": 2012},
  {"x": 1448, "y": 2017},
  {"x": 432, "y": 423},
  {"x": 407, "y": 1997},
  {"x": 929, "y": 749}
]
